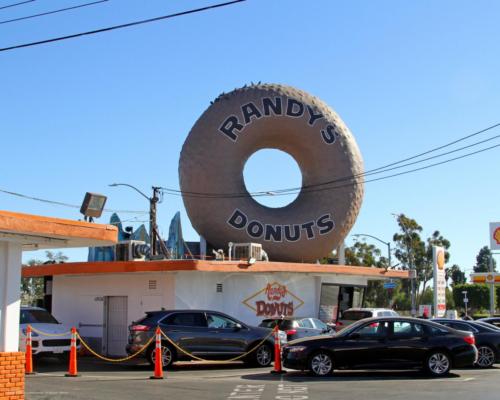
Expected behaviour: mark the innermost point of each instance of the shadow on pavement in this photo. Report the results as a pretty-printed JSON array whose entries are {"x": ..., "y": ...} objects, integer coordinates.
[
  {"x": 91, "y": 364},
  {"x": 339, "y": 376}
]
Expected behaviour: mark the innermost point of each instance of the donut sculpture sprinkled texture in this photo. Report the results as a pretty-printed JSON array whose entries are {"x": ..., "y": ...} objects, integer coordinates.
[{"x": 238, "y": 124}]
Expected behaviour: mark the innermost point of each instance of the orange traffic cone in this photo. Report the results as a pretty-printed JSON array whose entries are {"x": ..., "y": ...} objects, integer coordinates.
[
  {"x": 29, "y": 353},
  {"x": 72, "y": 370},
  {"x": 158, "y": 356},
  {"x": 277, "y": 353}
]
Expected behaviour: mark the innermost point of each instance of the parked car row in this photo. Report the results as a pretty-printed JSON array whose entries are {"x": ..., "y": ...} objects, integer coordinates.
[{"x": 384, "y": 341}]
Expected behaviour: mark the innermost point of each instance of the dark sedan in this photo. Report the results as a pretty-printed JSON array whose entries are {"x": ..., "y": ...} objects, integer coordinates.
[
  {"x": 203, "y": 334},
  {"x": 493, "y": 321},
  {"x": 387, "y": 342},
  {"x": 487, "y": 339},
  {"x": 298, "y": 327}
]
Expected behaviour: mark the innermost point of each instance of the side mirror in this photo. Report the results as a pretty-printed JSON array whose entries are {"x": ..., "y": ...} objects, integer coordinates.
[
  {"x": 237, "y": 327},
  {"x": 354, "y": 335}
]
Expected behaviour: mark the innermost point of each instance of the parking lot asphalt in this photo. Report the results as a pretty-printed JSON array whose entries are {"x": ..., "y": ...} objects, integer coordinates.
[{"x": 234, "y": 381}]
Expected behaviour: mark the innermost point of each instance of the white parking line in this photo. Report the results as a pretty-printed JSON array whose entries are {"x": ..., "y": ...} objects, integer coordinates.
[
  {"x": 290, "y": 391},
  {"x": 246, "y": 392}
]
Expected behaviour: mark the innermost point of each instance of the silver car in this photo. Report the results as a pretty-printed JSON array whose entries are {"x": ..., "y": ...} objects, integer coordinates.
[{"x": 352, "y": 315}]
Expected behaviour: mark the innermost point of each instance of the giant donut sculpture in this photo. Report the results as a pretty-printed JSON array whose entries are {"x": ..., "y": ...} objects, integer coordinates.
[{"x": 238, "y": 124}]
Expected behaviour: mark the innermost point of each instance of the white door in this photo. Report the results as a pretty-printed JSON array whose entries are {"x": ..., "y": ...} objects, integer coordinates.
[{"x": 115, "y": 329}]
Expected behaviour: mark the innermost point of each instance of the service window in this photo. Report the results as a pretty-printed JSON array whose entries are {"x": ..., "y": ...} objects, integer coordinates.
[
  {"x": 186, "y": 319},
  {"x": 220, "y": 322}
]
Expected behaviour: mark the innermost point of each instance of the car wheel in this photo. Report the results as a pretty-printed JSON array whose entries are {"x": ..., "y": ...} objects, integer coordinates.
[
  {"x": 167, "y": 355},
  {"x": 263, "y": 356},
  {"x": 486, "y": 357},
  {"x": 321, "y": 364},
  {"x": 438, "y": 363}
]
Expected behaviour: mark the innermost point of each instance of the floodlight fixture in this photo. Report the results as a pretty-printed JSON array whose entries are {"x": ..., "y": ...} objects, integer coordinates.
[{"x": 93, "y": 205}]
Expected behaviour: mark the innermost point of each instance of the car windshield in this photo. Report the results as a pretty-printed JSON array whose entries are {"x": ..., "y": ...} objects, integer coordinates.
[
  {"x": 355, "y": 315},
  {"x": 37, "y": 317}
]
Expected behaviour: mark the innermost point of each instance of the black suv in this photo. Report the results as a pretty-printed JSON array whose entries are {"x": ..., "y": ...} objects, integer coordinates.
[{"x": 202, "y": 333}]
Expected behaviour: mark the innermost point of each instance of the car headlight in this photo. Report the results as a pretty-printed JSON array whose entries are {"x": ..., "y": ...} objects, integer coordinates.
[{"x": 296, "y": 349}]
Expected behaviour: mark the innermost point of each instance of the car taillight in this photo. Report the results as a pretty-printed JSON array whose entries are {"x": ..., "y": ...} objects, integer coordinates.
[
  {"x": 470, "y": 339},
  {"x": 139, "y": 328},
  {"x": 291, "y": 331}
]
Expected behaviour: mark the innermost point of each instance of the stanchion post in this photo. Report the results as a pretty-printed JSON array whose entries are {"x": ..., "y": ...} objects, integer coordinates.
[
  {"x": 158, "y": 356},
  {"x": 72, "y": 370},
  {"x": 29, "y": 353},
  {"x": 277, "y": 353}
]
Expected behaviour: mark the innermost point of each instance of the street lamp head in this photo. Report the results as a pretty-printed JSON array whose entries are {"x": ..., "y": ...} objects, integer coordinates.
[{"x": 113, "y": 184}]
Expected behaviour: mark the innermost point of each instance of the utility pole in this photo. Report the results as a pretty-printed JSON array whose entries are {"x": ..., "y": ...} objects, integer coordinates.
[
  {"x": 152, "y": 220},
  {"x": 154, "y": 236}
]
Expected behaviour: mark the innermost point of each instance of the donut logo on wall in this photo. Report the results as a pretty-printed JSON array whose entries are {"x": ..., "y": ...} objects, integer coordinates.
[{"x": 238, "y": 124}]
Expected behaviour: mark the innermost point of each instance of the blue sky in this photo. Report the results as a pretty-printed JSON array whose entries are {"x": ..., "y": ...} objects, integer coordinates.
[{"x": 117, "y": 107}]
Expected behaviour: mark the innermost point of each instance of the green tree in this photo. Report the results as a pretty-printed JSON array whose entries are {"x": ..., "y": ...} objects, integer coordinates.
[
  {"x": 32, "y": 288},
  {"x": 478, "y": 295},
  {"x": 413, "y": 252},
  {"x": 364, "y": 254},
  {"x": 456, "y": 274},
  {"x": 483, "y": 260},
  {"x": 368, "y": 255}
]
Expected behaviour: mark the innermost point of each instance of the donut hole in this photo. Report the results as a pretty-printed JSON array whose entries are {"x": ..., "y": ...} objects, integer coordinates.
[{"x": 268, "y": 171}]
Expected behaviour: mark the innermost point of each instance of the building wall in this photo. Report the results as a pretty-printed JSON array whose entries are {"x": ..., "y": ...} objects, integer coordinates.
[
  {"x": 79, "y": 300},
  {"x": 199, "y": 290}
]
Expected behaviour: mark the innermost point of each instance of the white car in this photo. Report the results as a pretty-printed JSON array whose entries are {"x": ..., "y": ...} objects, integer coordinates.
[
  {"x": 42, "y": 321},
  {"x": 352, "y": 315}
]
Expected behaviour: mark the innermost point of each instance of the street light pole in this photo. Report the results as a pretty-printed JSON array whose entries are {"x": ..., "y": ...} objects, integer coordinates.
[
  {"x": 388, "y": 244},
  {"x": 153, "y": 228}
]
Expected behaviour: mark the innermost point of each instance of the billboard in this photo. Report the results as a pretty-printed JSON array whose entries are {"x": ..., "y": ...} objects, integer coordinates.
[
  {"x": 438, "y": 261},
  {"x": 495, "y": 235}
]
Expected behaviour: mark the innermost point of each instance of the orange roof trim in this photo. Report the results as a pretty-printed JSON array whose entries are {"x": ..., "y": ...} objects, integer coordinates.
[
  {"x": 37, "y": 232},
  {"x": 204, "y": 266}
]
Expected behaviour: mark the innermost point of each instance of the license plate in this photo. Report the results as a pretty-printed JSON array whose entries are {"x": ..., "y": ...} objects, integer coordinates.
[{"x": 58, "y": 351}]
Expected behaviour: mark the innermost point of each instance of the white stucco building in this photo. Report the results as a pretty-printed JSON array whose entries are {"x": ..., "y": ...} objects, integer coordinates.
[{"x": 102, "y": 298}]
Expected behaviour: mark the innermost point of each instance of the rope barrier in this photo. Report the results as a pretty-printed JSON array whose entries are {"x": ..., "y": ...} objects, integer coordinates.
[
  {"x": 146, "y": 345},
  {"x": 115, "y": 359},
  {"x": 217, "y": 361}
]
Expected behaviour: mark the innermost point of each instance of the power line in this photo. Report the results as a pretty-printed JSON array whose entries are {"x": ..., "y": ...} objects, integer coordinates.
[
  {"x": 374, "y": 171},
  {"x": 111, "y": 28},
  {"x": 17, "y": 4},
  {"x": 354, "y": 180},
  {"x": 52, "y": 12},
  {"x": 58, "y": 203}
]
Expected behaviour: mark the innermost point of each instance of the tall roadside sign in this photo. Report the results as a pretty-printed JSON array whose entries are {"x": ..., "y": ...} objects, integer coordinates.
[
  {"x": 494, "y": 236},
  {"x": 439, "y": 281}
]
